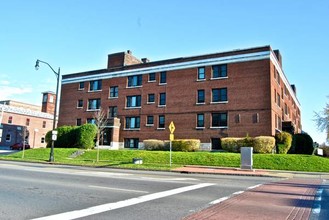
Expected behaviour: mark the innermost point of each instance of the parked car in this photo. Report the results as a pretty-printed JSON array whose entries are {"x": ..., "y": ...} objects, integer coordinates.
[{"x": 19, "y": 146}]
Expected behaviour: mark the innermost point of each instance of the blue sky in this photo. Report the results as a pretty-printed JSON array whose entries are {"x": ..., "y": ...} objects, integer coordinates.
[{"x": 77, "y": 35}]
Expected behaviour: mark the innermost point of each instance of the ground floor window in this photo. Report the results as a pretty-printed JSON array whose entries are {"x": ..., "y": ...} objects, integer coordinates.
[
  {"x": 131, "y": 142},
  {"x": 8, "y": 138}
]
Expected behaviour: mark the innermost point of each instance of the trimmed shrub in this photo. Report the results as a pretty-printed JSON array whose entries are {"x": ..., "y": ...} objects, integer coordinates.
[
  {"x": 283, "y": 142},
  {"x": 66, "y": 137},
  {"x": 302, "y": 144},
  {"x": 185, "y": 145},
  {"x": 86, "y": 136},
  {"x": 153, "y": 144},
  {"x": 233, "y": 144},
  {"x": 263, "y": 144}
]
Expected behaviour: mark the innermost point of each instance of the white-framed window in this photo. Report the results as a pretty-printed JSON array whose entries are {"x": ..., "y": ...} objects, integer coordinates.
[
  {"x": 219, "y": 120},
  {"x": 219, "y": 95},
  {"x": 135, "y": 81},
  {"x": 95, "y": 85},
  {"x": 114, "y": 92},
  {"x": 134, "y": 101},
  {"x": 201, "y": 73},
  {"x": 94, "y": 104},
  {"x": 132, "y": 122},
  {"x": 219, "y": 71}
]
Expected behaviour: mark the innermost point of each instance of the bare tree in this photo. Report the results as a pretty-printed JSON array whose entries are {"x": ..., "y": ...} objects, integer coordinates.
[
  {"x": 322, "y": 120},
  {"x": 101, "y": 121}
]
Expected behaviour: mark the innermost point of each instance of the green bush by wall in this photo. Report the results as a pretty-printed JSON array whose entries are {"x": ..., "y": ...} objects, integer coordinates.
[
  {"x": 185, "y": 145},
  {"x": 86, "y": 136},
  {"x": 73, "y": 136},
  {"x": 302, "y": 144},
  {"x": 283, "y": 142},
  {"x": 261, "y": 144}
]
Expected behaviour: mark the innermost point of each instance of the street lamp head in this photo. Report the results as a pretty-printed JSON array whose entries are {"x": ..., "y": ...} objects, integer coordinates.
[{"x": 36, "y": 65}]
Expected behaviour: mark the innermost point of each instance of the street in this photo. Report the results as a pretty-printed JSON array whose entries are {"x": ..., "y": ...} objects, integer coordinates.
[{"x": 34, "y": 191}]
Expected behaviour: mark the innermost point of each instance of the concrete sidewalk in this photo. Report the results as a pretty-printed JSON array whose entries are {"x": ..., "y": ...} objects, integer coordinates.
[
  {"x": 254, "y": 172},
  {"x": 291, "y": 198},
  {"x": 286, "y": 199}
]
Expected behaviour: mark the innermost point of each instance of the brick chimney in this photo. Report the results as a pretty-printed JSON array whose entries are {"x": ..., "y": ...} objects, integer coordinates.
[{"x": 116, "y": 60}]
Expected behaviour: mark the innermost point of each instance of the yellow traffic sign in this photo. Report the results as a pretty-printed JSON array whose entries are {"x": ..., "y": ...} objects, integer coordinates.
[
  {"x": 171, "y": 137},
  {"x": 172, "y": 127}
]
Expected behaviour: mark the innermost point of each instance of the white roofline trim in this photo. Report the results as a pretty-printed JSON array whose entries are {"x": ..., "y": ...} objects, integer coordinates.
[
  {"x": 23, "y": 111},
  {"x": 174, "y": 66},
  {"x": 284, "y": 78}
]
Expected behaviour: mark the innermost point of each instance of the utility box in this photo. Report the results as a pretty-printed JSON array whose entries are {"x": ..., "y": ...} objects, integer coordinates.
[{"x": 246, "y": 158}]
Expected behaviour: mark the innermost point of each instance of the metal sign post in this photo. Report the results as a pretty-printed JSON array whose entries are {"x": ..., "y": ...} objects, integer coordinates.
[{"x": 171, "y": 138}]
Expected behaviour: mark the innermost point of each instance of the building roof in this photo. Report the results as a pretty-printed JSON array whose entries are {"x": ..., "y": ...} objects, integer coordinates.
[{"x": 24, "y": 111}]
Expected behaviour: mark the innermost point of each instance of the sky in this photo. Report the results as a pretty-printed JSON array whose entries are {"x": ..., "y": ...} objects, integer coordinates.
[{"x": 77, "y": 35}]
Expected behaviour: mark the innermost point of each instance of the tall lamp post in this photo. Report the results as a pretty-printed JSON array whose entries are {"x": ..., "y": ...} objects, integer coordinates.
[{"x": 51, "y": 157}]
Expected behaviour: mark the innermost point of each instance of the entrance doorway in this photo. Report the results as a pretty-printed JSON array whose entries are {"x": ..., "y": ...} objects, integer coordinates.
[{"x": 106, "y": 137}]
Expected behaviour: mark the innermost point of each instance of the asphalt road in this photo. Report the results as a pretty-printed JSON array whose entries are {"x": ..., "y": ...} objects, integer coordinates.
[{"x": 34, "y": 191}]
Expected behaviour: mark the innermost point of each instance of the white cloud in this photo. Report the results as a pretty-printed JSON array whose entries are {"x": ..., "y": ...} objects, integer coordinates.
[
  {"x": 10, "y": 92},
  {"x": 4, "y": 82}
]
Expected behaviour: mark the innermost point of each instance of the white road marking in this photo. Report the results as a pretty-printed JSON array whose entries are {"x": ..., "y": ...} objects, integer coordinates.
[
  {"x": 117, "y": 205},
  {"x": 255, "y": 186},
  {"x": 219, "y": 200},
  {"x": 117, "y": 189},
  {"x": 235, "y": 193}
]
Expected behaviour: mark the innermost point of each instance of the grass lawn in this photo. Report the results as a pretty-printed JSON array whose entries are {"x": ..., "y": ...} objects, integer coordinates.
[{"x": 159, "y": 160}]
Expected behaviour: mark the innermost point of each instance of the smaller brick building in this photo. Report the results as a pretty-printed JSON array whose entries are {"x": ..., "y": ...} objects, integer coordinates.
[
  {"x": 208, "y": 97},
  {"x": 21, "y": 121}
]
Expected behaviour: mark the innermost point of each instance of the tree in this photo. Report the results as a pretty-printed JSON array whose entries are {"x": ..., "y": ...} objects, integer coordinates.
[
  {"x": 322, "y": 120},
  {"x": 100, "y": 122}
]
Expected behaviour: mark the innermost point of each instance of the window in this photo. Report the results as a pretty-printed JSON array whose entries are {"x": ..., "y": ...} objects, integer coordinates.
[
  {"x": 278, "y": 99},
  {"x": 219, "y": 120},
  {"x": 10, "y": 119},
  {"x": 113, "y": 111},
  {"x": 201, "y": 96},
  {"x": 95, "y": 85},
  {"x": 285, "y": 109},
  {"x": 255, "y": 118},
  {"x": 201, "y": 73},
  {"x": 161, "y": 121},
  {"x": 78, "y": 121},
  {"x": 8, "y": 137},
  {"x": 200, "y": 121},
  {"x": 131, "y": 142},
  {"x": 134, "y": 81},
  {"x": 27, "y": 123},
  {"x": 80, "y": 103},
  {"x": 134, "y": 101},
  {"x": 219, "y": 95},
  {"x": 43, "y": 140},
  {"x": 114, "y": 92},
  {"x": 163, "y": 77},
  {"x": 94, "y": 104},
  {"x": 151, "y": 77},
  {"x": 45, "y": 98},
  {"x": 150, "y": 98},
  {"x": 132, "y": 122},
  {"x": 51, "y": 99},
  {"x": 81, "y": 85},
  {"x": 150, "y": 120},
  {"x": 91, "y": 121},
  {"x": 162, "y": 100},
  {"x": 44, "y": 124},
  {"x": 219, "y": 71}
]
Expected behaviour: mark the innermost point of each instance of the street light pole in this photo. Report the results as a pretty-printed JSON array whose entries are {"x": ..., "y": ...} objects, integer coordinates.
[{"x": 58, "y": 74}]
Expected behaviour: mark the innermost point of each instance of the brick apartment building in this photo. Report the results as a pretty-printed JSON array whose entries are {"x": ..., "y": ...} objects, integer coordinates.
[
  {"x": 21, "y": 121},
  {"x": 208, "y": 97}
]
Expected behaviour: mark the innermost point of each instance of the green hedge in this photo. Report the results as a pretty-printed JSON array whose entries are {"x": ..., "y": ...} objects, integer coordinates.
[
  {"x": 185, "y": 145},
  {"x": 74, "y": 136},
  {"x": 261, "y": 144},
  {"x": 233, "y": 144},
  {"x": 66, "y": 137},
  {"x": 283, "y": 142},
  {"x": 86, "y": 136},
  {"x": 302, "y": 144},
  {"x": 153, "y": 144}
]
